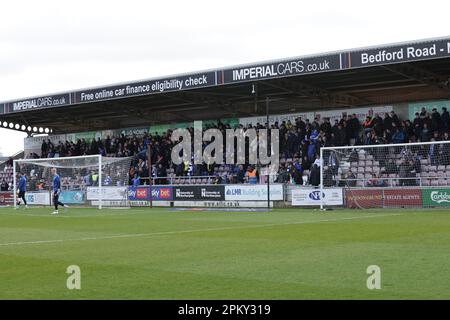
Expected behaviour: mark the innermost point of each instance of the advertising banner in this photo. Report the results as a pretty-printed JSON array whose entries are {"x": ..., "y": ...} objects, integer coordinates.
[
  {"x": 146, "y": 87},
  {"x": 389, "y": 198},
  {"x": 71, "y": 197},
  {"x": 38, "y": 103},
  {"x": 223, "y": 204},
  {"x": 196, "y": 193},
  {"x": 254, "y": 192},
  {"x": 38, "y": 198},
  {"x": 6, "y": 198},
  {"x": 284, "y": 68},
  {"x": 369, "y": 198},
  {"x": 424, "y": 50},
  {"x": 436, "y": 197},
  {"x": 402, "y": 197},
  {"x": 311, "y": 197},
  {"x": 143, "y": 193},
  {"x": 109, "y": 193},
  {"x": 129, "y": 132}
]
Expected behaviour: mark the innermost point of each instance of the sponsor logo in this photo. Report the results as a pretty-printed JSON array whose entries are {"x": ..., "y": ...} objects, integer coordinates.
[
  {"x": 280, "y": 69},
  {"x": 315, "y": 195},
  {"x": 198, "y": 193},
  {"x": 210, "y": 194},
  {"x": 234, "y": 192},
  {"x": 141, "y": 193},
  {"x": 312, "y": 197},
  {"x": 184, "y": 193},
  {"x": 38, "y": 103},
  {"x": 78, "y": 196},
  {"x": 365, "y": 198},
  {"x": 162, "y": 193},
  {"x": 440, "y": 197},
  {"x": 248, "y": 192}
]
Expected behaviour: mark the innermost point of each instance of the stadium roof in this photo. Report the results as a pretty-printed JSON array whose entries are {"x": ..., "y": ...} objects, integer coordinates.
[{"x": 387, "y": 74}]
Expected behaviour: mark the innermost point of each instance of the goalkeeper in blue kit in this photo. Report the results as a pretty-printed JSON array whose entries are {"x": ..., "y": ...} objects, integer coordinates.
[
  {"x": 22, "y": 190},
  {"x": 56, "y": 191}
]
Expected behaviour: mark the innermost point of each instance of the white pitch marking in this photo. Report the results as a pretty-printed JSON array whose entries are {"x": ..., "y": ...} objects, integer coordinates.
[
  {"x": 135, "y": 235},
  {"x": 66, "y": 215}
]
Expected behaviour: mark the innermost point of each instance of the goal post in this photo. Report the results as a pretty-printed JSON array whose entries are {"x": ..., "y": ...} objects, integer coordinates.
[
  {"x": 407, "y": 175},
  {"x": 86, "y": 181}
]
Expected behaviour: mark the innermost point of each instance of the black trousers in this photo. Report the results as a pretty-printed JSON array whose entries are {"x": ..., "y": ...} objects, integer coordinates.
[
  {"x": 56, "y": 201},
  {"x": 22, "y": 196}
]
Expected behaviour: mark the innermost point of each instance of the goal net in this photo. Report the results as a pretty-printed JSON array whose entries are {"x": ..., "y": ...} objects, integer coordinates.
[
  {"x": 412, "y": 175},
  {"x": 90, "y": 181}
]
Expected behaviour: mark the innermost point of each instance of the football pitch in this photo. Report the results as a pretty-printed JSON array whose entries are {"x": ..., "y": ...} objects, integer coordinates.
[{"x": 284, "y": 254}]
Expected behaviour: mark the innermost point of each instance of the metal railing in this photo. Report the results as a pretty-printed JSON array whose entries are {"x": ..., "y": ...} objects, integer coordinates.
[{"x": 179, "y": 180}]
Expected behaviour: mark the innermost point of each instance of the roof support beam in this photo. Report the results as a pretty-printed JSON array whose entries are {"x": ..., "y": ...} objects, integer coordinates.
[
  {"x": 420, "y": 74},
  {"x": 302, "y": 89}
]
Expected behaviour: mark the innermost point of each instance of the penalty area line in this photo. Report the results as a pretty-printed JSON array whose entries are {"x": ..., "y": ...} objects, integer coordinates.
[{"x": 151, "y": 234}]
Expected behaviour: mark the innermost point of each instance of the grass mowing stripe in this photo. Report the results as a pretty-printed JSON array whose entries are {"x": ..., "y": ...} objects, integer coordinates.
[{"x": 134, "y": 235}]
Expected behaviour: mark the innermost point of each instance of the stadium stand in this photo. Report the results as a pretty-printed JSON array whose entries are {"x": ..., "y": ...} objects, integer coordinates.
[
  {"x": 6, "y": 174},
  {"x": 300, "y": 143},
  {"x": 344, "y": 79}
]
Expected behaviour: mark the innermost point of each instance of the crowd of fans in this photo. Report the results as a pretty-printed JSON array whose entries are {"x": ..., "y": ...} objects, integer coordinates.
[{"x": 300, "y": 143}]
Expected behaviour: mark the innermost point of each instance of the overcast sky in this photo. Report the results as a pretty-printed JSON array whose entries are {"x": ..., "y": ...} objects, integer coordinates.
[{"x": 50, "y": 46}]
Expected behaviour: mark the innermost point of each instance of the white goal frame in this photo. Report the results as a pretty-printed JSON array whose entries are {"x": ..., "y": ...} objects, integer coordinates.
[
  {"x": 100, "y": 178},
  {"x": 392, "y": 145}
]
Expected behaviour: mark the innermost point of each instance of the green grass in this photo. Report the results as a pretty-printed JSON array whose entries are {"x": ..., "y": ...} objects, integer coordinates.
[{"x": 285, "y": 254}]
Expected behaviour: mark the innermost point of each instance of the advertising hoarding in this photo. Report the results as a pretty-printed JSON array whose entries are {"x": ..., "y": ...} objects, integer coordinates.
[
  {"x": 6, "y": 198},
  {"x": 436, "y": 197},
  {"x": 252, "y": 192},
  {"x": 402, "y": 197},
  {"x": 199, "y": 193},
  {"x": 71, "y": 197},
  {"x": 365, "y": 198},
  {"x": 143, "y": 193},
  {"x": 109, "y": 193},
  {"x": 311, "y": 197},
  {"x": 38, "y": 198}
]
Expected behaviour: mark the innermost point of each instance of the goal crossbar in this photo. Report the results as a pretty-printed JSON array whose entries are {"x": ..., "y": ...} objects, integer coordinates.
[{"x": 76, "y": 171}]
